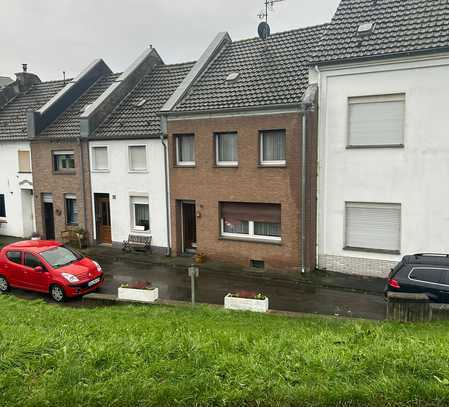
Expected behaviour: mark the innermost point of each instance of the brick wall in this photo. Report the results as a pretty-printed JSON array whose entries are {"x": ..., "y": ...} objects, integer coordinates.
[
  {"x": 45, "y": 180},
  {"x": 356, "y": 265},
  {"x": 208, "y": 185}
]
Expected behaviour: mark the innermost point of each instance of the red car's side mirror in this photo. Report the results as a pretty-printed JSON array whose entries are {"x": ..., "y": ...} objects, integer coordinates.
[{"x": 39, "y": 269}]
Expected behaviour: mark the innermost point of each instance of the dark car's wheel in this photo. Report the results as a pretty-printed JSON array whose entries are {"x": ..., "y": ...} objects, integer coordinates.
[
  {"x": 57, "y": 293},
  {"x": 4, "y": 285}
]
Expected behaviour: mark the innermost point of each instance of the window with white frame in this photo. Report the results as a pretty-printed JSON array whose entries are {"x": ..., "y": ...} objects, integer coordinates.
[
  {"x": 2, "y": 206},
  {"x": 100, "y": 161},
  {"x": 251, "y": 220},
  {"x": 272, "y": 147},
  {"x": 137, "y": 158},
  {"x": 226, "y": 149},
  {"x": 185, "y": 149},
  {"x": 71, "y": 209},
  {"x": 140, "y": 213},
  {"x": 376, "y": 121},
  {"x": 373, "y": 227},
  {"x": 63, "y": 161}
]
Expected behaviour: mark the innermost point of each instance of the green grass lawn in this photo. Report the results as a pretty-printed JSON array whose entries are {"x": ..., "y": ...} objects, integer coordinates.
[{"x": 164, "y": 356}]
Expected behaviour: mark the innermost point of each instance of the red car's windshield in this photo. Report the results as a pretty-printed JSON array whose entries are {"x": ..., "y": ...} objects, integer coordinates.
[{"x": 60, "y": 256}]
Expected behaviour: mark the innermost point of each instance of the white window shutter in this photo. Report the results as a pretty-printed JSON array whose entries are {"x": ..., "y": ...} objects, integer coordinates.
[
  {"x": 101, "y": 158},
  {"x": 376, "y": 122},
  {"x": 373, "y": 226},
  {"x": 138, "y": 158}
]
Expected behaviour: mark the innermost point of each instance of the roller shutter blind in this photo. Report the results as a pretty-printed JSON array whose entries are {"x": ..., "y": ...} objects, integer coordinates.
[
  {"x": 100, "y": 158},
  {"x": 137, "y": 158},
  {"x": 373, "y": 226},
  {"x": 376, "y": 121}
]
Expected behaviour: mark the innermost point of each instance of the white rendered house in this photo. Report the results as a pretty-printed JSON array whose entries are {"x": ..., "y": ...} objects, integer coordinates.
[{"x": 383, "y": 160}]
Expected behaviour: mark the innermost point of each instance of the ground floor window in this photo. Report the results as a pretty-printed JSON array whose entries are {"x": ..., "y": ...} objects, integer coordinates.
[
  {"x": 373, "y": 227},
  {"x": 2, "y": 206},
  {"x": 140, "y": 211},
  {"x": 71, "y": 209},
  {"x": 252, "y": 221}
]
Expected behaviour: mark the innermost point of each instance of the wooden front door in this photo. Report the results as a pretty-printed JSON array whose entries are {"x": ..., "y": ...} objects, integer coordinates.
[
  {"x": 189, "y": 227},
  {"x": 103, "y": 219}
]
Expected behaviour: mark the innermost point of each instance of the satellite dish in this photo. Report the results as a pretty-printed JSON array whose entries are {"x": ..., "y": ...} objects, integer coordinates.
[{"x": 263, "y": 30}]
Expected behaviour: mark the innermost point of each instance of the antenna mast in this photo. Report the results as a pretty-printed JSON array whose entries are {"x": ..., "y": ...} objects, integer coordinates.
[{"x": 269, "y": 5}]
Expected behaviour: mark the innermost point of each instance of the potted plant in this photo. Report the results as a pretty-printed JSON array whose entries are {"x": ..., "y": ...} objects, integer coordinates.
[
  {"x": 141, "y": 291},
  {"x": 200, "y": 258},
  {"x": 246, "y": 301},
  {"x": 35, "y": 236}
]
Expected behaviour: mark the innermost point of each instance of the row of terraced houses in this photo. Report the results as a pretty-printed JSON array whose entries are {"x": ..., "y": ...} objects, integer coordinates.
[{"x": 320, "y": 147}]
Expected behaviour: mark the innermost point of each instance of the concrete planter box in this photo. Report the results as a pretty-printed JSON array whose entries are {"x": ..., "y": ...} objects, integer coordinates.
[
  {"x": 133, "y": 294},
  {"x": 246, "y": 304}
]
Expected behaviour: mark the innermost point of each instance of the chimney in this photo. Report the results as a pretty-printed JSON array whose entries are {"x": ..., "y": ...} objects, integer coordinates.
[{"x": 25, "y": 79}]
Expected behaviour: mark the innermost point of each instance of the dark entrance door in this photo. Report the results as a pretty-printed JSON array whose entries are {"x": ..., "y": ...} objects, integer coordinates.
[
  {"x": 49, "y": 221},
  {"x": 189, "y": 227},
  {"x": 103, "y": 218}
]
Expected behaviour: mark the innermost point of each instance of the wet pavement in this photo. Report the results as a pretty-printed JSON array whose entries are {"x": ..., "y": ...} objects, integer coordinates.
[{"x": 284, "y": 294}]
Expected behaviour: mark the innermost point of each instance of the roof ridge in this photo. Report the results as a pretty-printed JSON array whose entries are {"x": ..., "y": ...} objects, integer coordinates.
[{"x": 279, "y": 33}]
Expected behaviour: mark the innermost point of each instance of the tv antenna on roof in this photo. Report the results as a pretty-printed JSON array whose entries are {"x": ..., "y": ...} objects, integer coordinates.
[{"x": 264, "y": 28}]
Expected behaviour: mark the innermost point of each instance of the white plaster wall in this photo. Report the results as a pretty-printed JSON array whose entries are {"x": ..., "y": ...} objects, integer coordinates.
[
  {"x": 122, "y": 183},
  {"x": 416, "y": 176},
  {"x": 12, "y": 183}
]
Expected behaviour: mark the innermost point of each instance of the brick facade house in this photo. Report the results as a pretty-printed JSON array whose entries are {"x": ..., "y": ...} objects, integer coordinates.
[{"x": 235, "y": 134}]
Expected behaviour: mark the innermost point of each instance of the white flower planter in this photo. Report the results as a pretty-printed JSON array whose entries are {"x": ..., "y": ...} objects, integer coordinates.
[
  {"x": 246, "y": 304},
  {"x": 132, "y": 294}
]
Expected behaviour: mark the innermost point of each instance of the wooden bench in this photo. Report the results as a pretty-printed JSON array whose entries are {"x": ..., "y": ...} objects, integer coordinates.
[{"x": 137, "y": 242}]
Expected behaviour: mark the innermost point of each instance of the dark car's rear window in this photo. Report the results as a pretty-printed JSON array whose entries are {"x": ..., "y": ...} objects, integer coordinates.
[{"x": 426, "y": 274}]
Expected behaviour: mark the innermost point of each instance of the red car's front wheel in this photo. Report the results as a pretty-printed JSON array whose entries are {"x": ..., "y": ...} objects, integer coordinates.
[
  {"x": 57, "y": 293},
  {"x": 4, "y": 285}
]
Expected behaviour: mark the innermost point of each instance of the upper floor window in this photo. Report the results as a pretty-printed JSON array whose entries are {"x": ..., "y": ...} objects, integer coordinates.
[
  {"x": 137, "y": 158},
  {"x": 185, "y": 149},
  {"x": 272, "y": 147},
  {"x": 100, "y": 158},
  {"x": 63, "y": 161},
  {"x": 226, "y": 149},
  {"x": 2, "y": 206},
  {"x": 24, "y": 161},
  {"x": 373, "y": 227},
  {"x": 71, "y": 209},
  {"x": 376, "y": 121}
]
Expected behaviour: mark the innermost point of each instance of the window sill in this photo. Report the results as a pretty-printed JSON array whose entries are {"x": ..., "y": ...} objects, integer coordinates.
[
  {"x": 280, "y": 165},
  {"x": 184, "y": 166},
  {"x": 138, "y": 171},
  {"x": 218, "y": 165},
  {"x": 24, "y": 172},
  {"x": 251, "y": 240},
  {"x": 350, "y": 147},
  {"x": 366, "y": 250},
  {"x": 100, "y": 171},
  {"x": 3, "y": 220},
  {"x": 64, "y": 172},
  {"x": 72, "y": 225}
]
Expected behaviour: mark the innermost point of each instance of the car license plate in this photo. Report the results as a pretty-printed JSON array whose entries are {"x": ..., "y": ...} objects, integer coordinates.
[{"x": 93, "y": 282}]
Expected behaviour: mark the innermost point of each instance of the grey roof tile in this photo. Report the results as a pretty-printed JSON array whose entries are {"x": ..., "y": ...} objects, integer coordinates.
[
  {"x": 13, "y": 120},
  {"x": 272, "y": 72},
  {"x": 401, "y": 27},
  {"x": 129, "y": 120},
  {"x": 67, "y": 125}
]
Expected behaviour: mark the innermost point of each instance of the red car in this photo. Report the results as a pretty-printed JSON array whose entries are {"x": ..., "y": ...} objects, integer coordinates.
[{"x": 49, "y": 267}]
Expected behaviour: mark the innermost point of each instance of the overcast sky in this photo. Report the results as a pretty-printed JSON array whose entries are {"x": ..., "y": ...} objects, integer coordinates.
[{"x": 65, "y": 35}]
